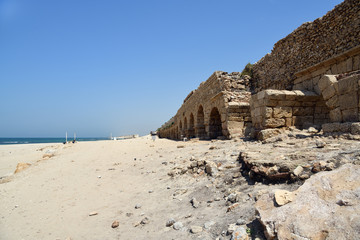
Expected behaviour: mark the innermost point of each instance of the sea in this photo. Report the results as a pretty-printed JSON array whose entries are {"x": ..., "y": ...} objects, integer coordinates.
[{"x": 7, "y": 141}]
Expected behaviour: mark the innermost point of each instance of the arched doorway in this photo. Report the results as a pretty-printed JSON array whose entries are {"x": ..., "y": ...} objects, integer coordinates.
[
  {"x": 215, "y": 129},
  {"x": 191, "y": 130},
  {"x": 200, "y": 126}
]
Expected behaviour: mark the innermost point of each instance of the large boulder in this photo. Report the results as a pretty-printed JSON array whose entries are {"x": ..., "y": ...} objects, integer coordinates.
[{"x": 327, "y": 206}]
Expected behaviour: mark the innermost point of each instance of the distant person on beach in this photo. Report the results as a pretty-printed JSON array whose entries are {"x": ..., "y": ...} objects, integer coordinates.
[{"x": 153, "y": 135}]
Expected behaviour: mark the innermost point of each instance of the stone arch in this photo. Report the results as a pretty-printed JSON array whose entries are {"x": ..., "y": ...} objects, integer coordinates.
[
  {"x": 200, "y": 123},
  {"x": 215, "y": 128},
  {"x": 191, "y": 131},
  {"x": 185, "y": 128}
]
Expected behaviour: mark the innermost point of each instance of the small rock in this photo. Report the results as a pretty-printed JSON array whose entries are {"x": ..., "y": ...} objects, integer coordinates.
[
  {"x": 170, "y": 222},
  {"x": 283, "y": 197},
  {"x": 298, "y": 170},
  {"x": 115, "y": 224},
  {"x": 180, "y": 146},
  {"x": 177, "y": 225},
  {"x": 237, "y": 175},
  {"x": 211, "y": 168},
  {"x": 240, "y": 222},
  {"x": 145, "y": 221},
  {"x": 320, "y": 144},
  {"x": 239, "y": 234},
  {"x": 137, "y": 206},
  {"x": 194, "y": 203},
  {"x": 129, "y": 214},
  {"x": 217, "y": 199},
  {"x": 188, "y": 215},
  {"x": 312, "y": 130},
  {"x": 192, "y": 158},
  {"x": 196, "y": 229},
  {"x": 232, "y": 207},
  {"x": 233, "y": 197},
  {"x": 93, "y": 213},
  {"x": 232, "y": 227},
  {"x": 165, "y": 163},
  {"x": 151, "y": 191}
]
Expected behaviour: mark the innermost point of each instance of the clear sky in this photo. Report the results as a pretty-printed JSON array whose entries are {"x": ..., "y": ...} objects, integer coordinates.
[{"x": 124, "y": 67}]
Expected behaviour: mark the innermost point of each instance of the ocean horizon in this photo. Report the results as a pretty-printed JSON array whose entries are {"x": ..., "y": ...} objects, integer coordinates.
[{"x": 9, "y": 141}]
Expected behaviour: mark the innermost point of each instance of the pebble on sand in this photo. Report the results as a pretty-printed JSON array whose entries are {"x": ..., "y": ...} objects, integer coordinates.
[{"x": 115, "y": 224}]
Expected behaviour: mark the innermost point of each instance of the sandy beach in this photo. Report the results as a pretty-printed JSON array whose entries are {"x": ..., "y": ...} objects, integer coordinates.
[
  {"x": 53, "y": 198},
  {"x": 161, "y": 189}
]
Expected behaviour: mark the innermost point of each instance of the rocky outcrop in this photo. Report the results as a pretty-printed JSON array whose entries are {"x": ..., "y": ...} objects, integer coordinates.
[{"x": 327, "y": 206}]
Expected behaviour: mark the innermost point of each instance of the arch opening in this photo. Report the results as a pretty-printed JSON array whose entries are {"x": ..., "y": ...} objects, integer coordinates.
[
  {"x": 200, "y": 126},
  {"x": 215, "y": 128},
  {"x": 191, "y": 131},
  {"x": 185, "y": 131}
]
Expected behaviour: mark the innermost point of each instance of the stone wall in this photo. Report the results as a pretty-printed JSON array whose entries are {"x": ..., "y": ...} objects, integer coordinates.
[
  {"x": 346, "y": 62},
  {"x": 282, "y": 108},
  {"x": 333, "y": 34},
  {"x": 341, "y": 94},
  {"x": 218, "y": 108}
]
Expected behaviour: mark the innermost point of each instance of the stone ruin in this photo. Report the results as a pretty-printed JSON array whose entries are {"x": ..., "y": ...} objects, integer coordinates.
[
  {"x": 219, "y": 108},
  {"x": 310, "y": 79}
]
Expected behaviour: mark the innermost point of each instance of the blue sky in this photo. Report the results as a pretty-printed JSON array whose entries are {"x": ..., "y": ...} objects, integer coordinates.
[{"x": 124, "y": 67}]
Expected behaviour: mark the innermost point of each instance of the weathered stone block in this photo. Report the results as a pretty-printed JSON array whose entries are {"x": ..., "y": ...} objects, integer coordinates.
[
  {"x": 334, "y": 69},
  {"x": 348, "y": 84},
  {"x": 288, "y": 122},
  {"x": 274, "y": 94},
  {"x": 274, "y": 122},
  {"x": 341, "y": 67},
  {"x": 290, "y": 95},
  {"x": 282, "y": 112},
  {"x": 345, "y": 127},
  {"x": 326, "y": 81},
  {"x": 350, "y": 115},
  {"x": 267, "y": 133},
  {"x": 348, "y": 101},
  {"x": 333, "y": 102},
  {"x": 287, "y": 103},
  {"x": 349, "y": 65},
  {"x": 328, "y": 92},
  {"x": 271, "y": 103},
  {"x": 331, "y": 127},
  {"x": 335, "y": 115}
]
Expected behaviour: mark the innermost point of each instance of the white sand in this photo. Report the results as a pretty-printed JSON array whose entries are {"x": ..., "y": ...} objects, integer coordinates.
[{"x": 52, "y": 199}]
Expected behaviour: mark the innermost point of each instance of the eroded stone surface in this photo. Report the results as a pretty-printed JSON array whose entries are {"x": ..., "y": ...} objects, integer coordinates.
[{"x": 318, "y": 210}]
